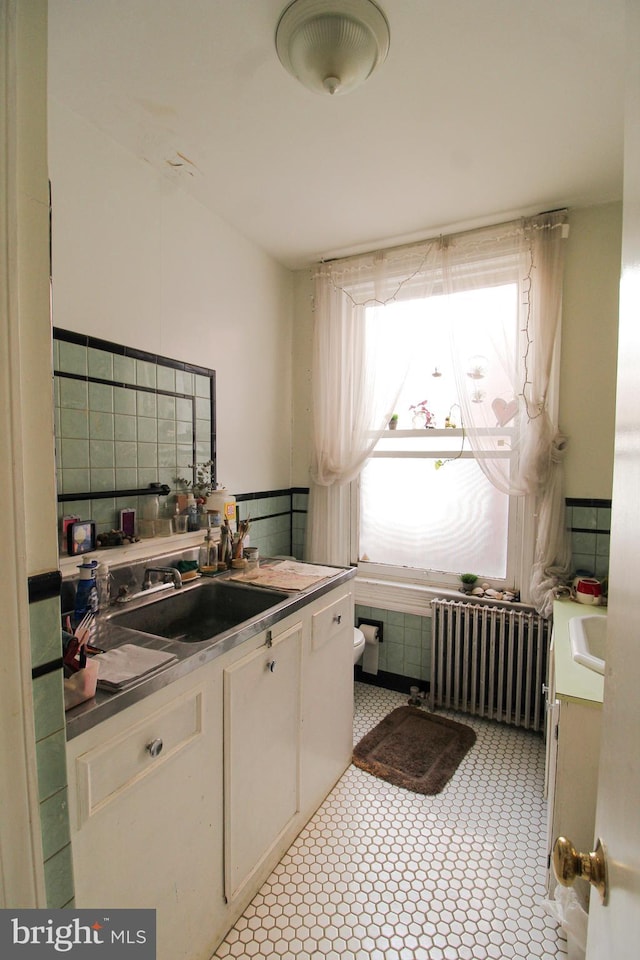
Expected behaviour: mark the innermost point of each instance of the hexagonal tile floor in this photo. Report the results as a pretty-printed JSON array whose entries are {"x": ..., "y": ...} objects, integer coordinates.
[{"x": 380, "y": 873}]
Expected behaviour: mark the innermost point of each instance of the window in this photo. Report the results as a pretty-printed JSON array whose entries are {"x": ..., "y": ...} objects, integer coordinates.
[
  {"x": 425, "y": 505},
  {"x": 468, "y": 323}
]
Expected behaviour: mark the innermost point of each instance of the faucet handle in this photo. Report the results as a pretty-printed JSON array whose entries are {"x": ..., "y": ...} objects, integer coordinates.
[{"x": 173, "y": 572}]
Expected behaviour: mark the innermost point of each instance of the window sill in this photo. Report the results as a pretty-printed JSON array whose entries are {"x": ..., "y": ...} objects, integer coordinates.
[{"x": 413, "y": 597}]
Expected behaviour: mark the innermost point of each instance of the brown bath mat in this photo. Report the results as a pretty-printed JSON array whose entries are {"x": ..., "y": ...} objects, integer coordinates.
[{"x": 414, "y": 749}]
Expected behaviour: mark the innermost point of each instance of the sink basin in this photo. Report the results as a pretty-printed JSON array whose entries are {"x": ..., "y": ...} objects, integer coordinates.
[
  {"x": 588, "y": 637},
  {"x": 199, "y": 612}
]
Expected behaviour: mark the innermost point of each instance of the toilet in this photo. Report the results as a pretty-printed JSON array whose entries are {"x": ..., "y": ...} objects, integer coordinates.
[{"x": 358, "y": 644}]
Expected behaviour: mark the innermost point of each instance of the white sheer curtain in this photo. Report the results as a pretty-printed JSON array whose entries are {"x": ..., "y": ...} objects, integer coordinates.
[
  {"x": 351, "y": 405},
  {"x": 351, "y": 409},
  {"x": 537, "y": 245}
]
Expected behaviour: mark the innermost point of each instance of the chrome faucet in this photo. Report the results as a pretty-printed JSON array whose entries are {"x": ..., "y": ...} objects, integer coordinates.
[{"x": 165, "y": 571}]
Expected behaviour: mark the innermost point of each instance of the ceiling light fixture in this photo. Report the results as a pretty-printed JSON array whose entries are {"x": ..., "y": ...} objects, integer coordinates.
[{"x": 332, "y": 46}]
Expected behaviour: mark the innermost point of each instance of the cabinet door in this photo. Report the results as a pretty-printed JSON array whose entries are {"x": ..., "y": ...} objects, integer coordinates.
[
  {"x": 145, "y": 801},
  {"x": 327, "y": 721},
  {"x": 574, "y": 798},
  {"x": 261, "y": 754}
]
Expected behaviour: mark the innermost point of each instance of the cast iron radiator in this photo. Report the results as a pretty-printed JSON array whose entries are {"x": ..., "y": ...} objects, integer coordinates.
[{"x": 489, "y": 661}]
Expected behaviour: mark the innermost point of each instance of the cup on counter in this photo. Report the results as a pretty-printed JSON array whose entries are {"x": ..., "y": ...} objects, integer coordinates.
[
  {"x": 164, "y": 527},
  {"x": 180, "y": 523},
  {"x": 252, "y": 559},
  {"x": 588, "y": 590},
  {"x": 146, "y": 529}
]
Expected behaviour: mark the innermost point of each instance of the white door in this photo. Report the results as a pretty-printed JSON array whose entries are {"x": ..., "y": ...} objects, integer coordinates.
[{"x": 614, "y": 930}]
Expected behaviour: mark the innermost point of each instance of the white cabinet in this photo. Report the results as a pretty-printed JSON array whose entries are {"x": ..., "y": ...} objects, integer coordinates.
[
  {"x": 573, "y": 750},
  {"x": 288, "y": 731},
  {"x": 327, "y": 729},
  {"x": 145, "y": 803},
  {"x": 261, "y": 753},
  {"x": 251, "y": 743}
]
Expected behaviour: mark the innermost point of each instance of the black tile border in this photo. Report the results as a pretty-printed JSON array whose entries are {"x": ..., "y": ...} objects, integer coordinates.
[
  {"x": 589, "y": 530},
  {"x": 290, "y": 492},
  {"x": 44, "y": 586},
  {"x": 85, "y": 340},
  {"x": 587, "y": 502},
  {"x": 390, "y": 681},
  {"x": 46, "y": 668},
  {"x": 261, "y": 494}
]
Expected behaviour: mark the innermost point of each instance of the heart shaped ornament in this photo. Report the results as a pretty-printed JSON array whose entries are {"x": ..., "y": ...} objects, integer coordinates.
[{"x": 504, "y": 411}]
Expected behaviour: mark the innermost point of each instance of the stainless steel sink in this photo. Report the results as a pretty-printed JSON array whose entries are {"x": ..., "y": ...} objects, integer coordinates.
[{"x": 200, "y": 612}]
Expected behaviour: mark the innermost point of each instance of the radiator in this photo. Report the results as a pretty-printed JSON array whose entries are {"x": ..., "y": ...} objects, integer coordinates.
[{"x": 489, "y": 661}]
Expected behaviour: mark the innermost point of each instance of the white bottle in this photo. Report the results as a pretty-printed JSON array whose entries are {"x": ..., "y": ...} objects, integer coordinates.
[
  {"x": 193, "y": 520},
  {"x": 151, "y": 508},
  {"x": 104, "y": 580}
]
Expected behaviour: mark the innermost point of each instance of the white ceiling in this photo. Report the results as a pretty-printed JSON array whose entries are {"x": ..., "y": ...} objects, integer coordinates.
[{"x": 484, "y": 109}]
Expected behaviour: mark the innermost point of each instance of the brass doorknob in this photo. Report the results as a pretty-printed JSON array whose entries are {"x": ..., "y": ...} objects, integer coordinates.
[{"x": 569, "y": 864}]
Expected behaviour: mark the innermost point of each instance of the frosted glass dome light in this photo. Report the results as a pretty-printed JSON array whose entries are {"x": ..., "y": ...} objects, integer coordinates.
[{"x": 332, "y": 46}]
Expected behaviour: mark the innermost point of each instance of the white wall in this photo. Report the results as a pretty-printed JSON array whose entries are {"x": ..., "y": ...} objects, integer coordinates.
[
  {"x": 589, "y": 347},
  {"x": 26, "y": 432},
  {"x": 302, "y": 357},
  {"x": 138, "y": 261},
  {"x": 588, "y": 364}
]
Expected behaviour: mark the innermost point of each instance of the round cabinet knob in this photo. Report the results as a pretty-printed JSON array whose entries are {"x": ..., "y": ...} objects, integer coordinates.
[
  {"x": 155, "y": 747},
  {"x": 271, "y": 665}
]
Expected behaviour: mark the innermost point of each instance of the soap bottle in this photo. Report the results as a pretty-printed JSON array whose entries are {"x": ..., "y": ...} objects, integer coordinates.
[
  {"x": 193, "y": 520},
  {"x": 87, "y": 591},
  {"x": 151, "y": 505}
]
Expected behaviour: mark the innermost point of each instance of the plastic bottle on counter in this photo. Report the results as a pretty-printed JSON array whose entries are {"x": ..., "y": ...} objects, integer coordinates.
[
  {"x": 223, "y": 502},
  {"x": 104, "y": 579},
  {"x": 193, "y": 520},
  {"x": 87, "y": 591},
  {"x": 151, "y": 507},
  {"x": 215, "y": 519}
]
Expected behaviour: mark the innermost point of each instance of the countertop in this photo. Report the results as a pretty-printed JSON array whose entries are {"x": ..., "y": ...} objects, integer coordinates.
[
  {"x": 190, "y": 656},
  {"x": 573, "y": 680}
]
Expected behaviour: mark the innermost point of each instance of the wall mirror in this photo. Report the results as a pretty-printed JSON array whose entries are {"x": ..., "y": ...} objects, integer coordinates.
[{"x": 125, "y": 420}]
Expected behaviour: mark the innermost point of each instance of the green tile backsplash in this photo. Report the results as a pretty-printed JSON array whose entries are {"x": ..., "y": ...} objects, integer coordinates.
[
  {"x": 115, "y": 431},
  {"x": 54, "y": 820},
  {"x": 49, "y": 723},
  {"x": 276, "y": 525},
  {"x": 406, "y": 647},
  {"x": 58, "y": 877},
  {"x": 589, "y": 525}
]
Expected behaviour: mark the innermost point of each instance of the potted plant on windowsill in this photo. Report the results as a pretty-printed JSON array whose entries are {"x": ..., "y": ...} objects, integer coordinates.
[
  {"x": 393, "y": 421},
  {"x": 468, "y": 581},
  {"x": 202, "y": 485},
  {"x": 423, "y": 419}
]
